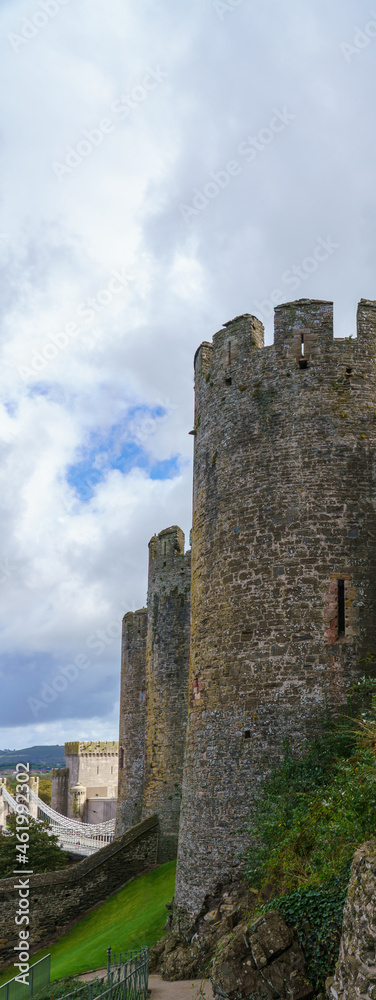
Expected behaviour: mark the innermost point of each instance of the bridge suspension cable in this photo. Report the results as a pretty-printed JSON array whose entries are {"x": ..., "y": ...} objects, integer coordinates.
[{"x": 73, "y": 836}]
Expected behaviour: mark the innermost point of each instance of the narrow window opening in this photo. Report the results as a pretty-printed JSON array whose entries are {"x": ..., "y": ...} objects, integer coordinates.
[
  {"x": 229, "y": 352},
  {"x": 303, "y": 363},
  {"x": 247, "y": 734},
  {"x": 349, "y": 371},
  {"x": 97, "y": 769},
  {"x": 228, "y": 381},
  {"x": 121, "y": 758},
  {"x": 138, "y": 626},
  {"x": 164, "y": 549},
  {"x": 302, "y": 345},
  {"x": 341, "y": 607}
]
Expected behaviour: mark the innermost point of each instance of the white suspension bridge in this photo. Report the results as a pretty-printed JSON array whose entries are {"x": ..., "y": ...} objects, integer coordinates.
[{"x": 73, "y": 836}]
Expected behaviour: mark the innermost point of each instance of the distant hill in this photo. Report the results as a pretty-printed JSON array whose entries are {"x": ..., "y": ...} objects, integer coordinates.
[{"x": 39, "y": 758}]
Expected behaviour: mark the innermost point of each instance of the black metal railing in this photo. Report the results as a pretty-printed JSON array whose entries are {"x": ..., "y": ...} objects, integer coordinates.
[{"x": 127, "y": 979}]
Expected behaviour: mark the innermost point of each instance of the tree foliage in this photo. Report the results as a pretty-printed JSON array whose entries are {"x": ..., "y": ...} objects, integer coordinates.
[{"x": 44, "y": 853}]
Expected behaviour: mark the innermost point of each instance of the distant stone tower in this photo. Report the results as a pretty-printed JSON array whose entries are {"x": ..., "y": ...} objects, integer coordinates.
[
  {"x": 167, "y": 659},
  {"x": 132, "y": 720},
  {"x": 87, "y": 788},
  {"x": 283, "y": 562},
  {"x": 60, "y": 790}
]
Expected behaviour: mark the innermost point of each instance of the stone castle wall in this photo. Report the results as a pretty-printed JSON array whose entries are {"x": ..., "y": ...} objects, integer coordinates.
[
  {"x": 167, "y": 660},
  {"x": 132, "y": 720},
  {"x": 283, "y": 557},
  {"x": 154, "y": 694},
  {"x": 60, "y": 898}
]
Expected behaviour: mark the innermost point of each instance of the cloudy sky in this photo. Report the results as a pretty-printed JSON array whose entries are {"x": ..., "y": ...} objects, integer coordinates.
[{"x": 165, "y": 167}]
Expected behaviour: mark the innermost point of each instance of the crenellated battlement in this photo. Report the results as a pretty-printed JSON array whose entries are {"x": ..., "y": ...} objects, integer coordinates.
[
  {"x": 303, "y": 329},
  {"x": 91, "y": 748},
  {"x": 164, "y": 547},
  {"x": 303, "y": 334},
  {"x": 238, "y": 338},
  {"x": 366, "y": 323},
  {"x": 135, "y": 623}
]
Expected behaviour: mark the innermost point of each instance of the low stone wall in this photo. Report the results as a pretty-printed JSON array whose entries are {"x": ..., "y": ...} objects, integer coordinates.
[{"x": 60, "y": 898}]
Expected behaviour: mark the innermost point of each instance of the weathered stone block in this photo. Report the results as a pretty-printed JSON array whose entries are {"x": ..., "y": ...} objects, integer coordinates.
[{"x": 355, "y": 974}]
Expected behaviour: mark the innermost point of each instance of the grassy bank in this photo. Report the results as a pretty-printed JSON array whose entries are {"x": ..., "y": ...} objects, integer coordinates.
[{"x": 135, "y": 916}]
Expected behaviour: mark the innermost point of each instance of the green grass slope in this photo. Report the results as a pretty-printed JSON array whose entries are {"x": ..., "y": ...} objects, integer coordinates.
[{"x": 135, "y": 916}]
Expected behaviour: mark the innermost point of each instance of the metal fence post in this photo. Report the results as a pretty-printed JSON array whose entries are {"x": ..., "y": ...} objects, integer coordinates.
[{"x": 108, "y": 961}]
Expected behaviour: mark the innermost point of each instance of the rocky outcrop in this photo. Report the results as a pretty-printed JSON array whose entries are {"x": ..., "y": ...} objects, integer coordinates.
[
  {"x": 261, "y": 961},
  {"x": 355, "y": 974},
  {"x": 187, "y": 955},
  {"x": 243, "y": 959}
]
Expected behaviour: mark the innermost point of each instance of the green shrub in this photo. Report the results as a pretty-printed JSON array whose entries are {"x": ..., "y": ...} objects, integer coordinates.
[
  {"x": 44, "y": 853},
  {"x": 313, "y": 814},
  {"x": 316, "y": 914},
  {"x": 60, "y": 988}
]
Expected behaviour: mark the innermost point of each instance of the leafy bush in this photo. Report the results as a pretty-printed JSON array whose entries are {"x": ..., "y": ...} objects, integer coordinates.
[
  {"x": 316, "y": 914},
  {"x": 44, "y": 853},
  {"x": 60, "y": 988},
  {"x": 314, "y": 812}
]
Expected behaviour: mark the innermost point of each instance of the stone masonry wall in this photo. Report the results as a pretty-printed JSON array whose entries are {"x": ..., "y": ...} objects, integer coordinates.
[
  {"x": 167, "y": 658},
  {"x": 283, "y": 562},
  {"x": 355, "y": 974},
  {"x": 60, "y": 898},
  {"x": 132, "y": 720},
  {"x": 59, "y": 790}
]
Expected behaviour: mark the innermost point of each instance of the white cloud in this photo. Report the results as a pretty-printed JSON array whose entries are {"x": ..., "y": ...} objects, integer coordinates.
[{"x": 118, "y": 399}]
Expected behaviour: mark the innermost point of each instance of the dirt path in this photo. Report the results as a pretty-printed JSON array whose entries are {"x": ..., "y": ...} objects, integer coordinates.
[
  {"x": 188, "y": 990},
  {"x": 178, "y": 991}
]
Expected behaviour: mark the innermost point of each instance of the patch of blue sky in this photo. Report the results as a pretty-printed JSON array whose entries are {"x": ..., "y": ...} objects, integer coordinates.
[
  {"x": 167, "y": 469},
  {"x": 49, "y": 390},
  {"x": 11, "y": 407},
  {"x": 119, "y": 449}
]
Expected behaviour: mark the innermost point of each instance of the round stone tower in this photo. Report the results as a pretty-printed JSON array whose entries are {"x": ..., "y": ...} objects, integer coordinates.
[
  {"x": 283, "y": 562},
  {"x": 132, "y": 720},
  {"x": 167, "y": 660},
  {"x": 59, "y": 790}
]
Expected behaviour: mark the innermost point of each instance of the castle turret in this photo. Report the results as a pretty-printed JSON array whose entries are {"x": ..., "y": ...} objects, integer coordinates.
[
  {"x": 34, "y": 787},
  {"x": 60, "y": 790},
  {"x": 132, "y": 720},
  {"x": 283, "y": 563},
  {"x": 167, "y": 657},
  {"x": 77, "y": 800},
  {"x": 4, "y": 808}
]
